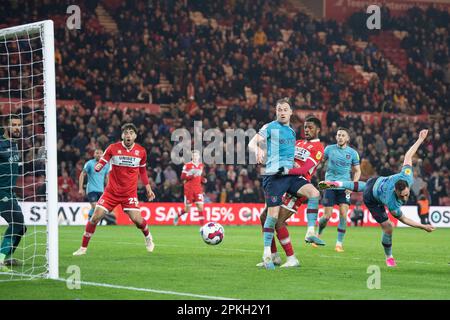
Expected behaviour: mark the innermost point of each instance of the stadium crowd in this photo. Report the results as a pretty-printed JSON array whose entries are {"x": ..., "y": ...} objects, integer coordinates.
[{"x": 200, "y": 71}]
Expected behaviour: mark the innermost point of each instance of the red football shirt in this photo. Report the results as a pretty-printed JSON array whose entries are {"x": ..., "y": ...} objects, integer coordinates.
[
  {"x": 304, "y": 150},
  {"x": 125, "y": 166},
  {"x": 194, "y": 174}
]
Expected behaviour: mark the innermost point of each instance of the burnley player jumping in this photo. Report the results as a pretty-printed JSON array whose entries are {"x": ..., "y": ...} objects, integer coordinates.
[
  {"x": 128, "y": 161},
  {"x": 391, "y": 192},
  {"x": 193, "y": 190}
]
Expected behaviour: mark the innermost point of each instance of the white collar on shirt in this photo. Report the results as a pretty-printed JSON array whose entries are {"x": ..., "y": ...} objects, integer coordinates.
[{"x": 132, "y": 146}]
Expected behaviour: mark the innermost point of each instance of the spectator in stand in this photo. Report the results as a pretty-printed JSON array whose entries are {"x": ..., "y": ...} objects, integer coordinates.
[
  {"x": 357, "y": 214},
  {"x": 66, "y": 187},
  {"x": 423, "y": 209}
]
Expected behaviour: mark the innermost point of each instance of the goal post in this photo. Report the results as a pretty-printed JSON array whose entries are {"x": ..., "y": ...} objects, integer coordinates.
[
  {"x": 28, "y": 79},
  {"x": 51, "y": 149}
]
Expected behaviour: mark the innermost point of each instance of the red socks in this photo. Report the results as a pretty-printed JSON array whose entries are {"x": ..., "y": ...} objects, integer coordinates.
[
  {"x": 90, "y": 229},
  {"x": 201, "y": 218},
  {"x": 285, "y": 241},
  {"x": 144, "y": 228},
  {"x": 273, "y": 246}
]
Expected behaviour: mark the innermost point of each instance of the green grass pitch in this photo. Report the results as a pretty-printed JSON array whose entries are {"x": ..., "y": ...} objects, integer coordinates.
[{"x": 183, "y": 264}]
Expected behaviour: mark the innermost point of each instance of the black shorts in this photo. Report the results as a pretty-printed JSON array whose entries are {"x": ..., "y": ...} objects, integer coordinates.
[
  {"x": 276, "y": 186},
  {"x": 375, "y": 207},
  {"x": 332, "y": 197},
  {"x": 94, "y": 196}
]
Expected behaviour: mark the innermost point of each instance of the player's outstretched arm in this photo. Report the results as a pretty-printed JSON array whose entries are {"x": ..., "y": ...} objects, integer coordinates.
[
  {"x": 253, "y": 147},
  {"x": 412, "y": 151},
  {"x": 356, "y": 172},
  {"x": 412, "y": 223},
  {"x": 298, "y": 171},
  {"x": 81, "y": 182}
]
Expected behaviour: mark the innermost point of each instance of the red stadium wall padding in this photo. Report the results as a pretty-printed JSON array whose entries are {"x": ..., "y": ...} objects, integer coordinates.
[{"x": 226, "y": 214}]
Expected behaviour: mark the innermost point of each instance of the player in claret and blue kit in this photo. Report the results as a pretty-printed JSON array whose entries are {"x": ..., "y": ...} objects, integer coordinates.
[
  {"x": 96, "y": 180},
  {"x": 341, "y": 161},
  {"x": 279, "y": 139},
  {"x": 307, "y": 157},
  {"x": 128, "y": 161},
  {"x": 391, "y": 192}
]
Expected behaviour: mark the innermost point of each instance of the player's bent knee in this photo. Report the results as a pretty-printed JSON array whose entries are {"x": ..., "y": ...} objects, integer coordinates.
[
  {"x": 314, "y": 193},
  {"x": 308, "y": 191},
  {"x": 283, "y": 216},
  {"x": 99, "y": 213},
  {"x": 387, "y": 227}
]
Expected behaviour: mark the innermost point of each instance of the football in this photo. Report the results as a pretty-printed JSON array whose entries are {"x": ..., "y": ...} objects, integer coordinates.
[{"x": 212, "y": 233}]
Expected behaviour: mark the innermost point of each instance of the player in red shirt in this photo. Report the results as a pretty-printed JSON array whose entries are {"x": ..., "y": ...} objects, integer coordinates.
[
  {"x": 128, "y": 161},
  {"x": 308, "y": 154},
  {"x": 193, "y": 189}
]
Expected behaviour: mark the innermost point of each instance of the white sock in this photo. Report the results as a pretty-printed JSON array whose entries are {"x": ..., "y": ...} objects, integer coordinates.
[
  {"x": 311, "y": 231},
  {"x": 338, "y": 243},
  {"x": 2, "y": 257},
  {"x": 267, "y": 252}
]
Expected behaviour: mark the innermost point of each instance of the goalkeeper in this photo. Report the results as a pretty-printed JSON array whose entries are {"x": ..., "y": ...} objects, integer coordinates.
[{"x": 9, "y": 207}]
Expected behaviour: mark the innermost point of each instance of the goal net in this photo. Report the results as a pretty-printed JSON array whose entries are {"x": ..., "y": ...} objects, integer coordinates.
[{"x": 28, "y": 166}]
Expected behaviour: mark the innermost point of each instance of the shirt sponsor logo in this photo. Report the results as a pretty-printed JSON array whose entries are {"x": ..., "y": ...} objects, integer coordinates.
[{"x": 125, "y": 161}]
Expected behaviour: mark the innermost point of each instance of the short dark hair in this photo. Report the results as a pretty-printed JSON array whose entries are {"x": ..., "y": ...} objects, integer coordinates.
[
  {"x": 314, "y": 120},
  {"x": 284, "y": 100},
  {"x": 8, "y": 118},
  {"x": 344, "y": 129},
  {"x": 401, "y": 185},
  {"x": 129, "y": 126}
]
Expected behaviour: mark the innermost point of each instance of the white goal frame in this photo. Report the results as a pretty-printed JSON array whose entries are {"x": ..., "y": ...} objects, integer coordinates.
[{"x": 45, "y": 30}]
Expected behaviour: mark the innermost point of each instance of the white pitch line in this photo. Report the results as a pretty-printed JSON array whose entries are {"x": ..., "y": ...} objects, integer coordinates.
[
  {"x": 175, "y": 293},
  {"x": 120, "y": 287}
]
